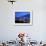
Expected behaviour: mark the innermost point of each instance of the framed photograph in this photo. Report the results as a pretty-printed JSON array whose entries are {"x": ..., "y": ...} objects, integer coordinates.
[{"x": 23, "y": 18}]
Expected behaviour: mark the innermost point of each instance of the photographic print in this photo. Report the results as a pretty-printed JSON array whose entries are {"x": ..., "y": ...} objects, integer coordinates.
[{"x": 23, "y": 18}]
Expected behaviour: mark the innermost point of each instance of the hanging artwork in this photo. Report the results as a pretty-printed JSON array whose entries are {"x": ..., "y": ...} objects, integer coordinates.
[{"x": 23, "y": 18}]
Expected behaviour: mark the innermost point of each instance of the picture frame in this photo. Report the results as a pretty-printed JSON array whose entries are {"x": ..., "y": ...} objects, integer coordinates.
[{"x": 26, "y": 16}]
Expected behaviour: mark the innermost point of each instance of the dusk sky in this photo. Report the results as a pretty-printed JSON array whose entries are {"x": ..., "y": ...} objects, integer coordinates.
[{"x": 19, "y": 14}]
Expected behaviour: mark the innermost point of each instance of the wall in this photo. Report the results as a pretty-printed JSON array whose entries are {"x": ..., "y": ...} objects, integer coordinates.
[{"x": 8, "y": 29}]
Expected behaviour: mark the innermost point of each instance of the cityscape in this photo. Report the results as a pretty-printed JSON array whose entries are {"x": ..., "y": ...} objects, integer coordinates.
[{"x": 22, "y": 17}]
